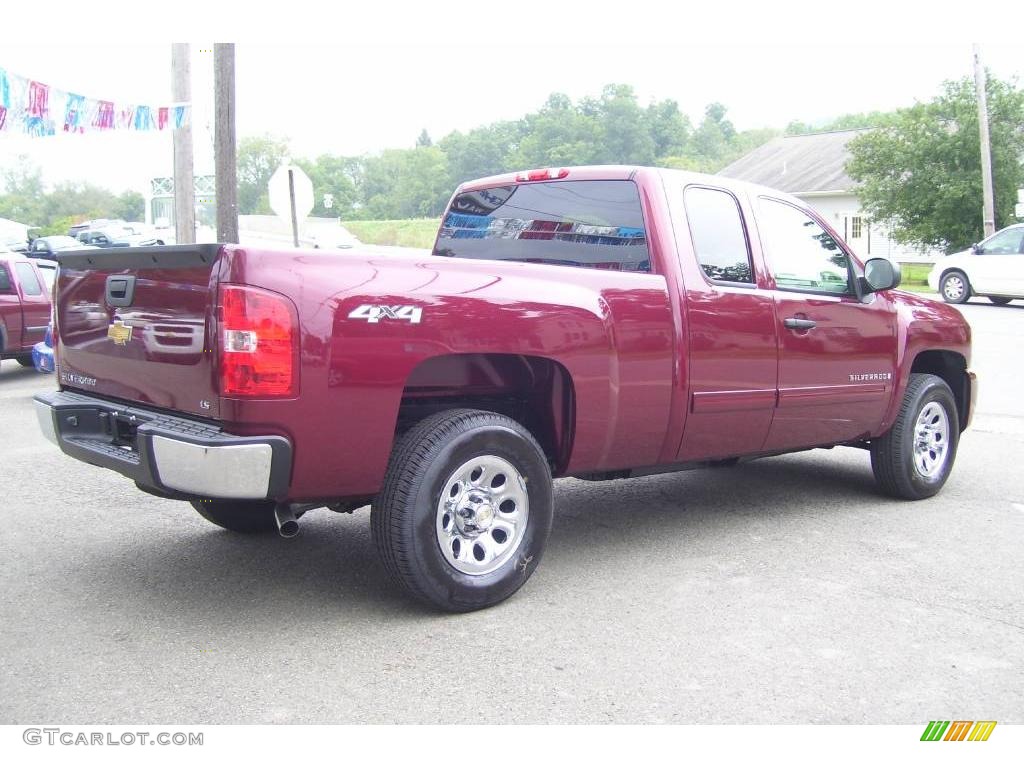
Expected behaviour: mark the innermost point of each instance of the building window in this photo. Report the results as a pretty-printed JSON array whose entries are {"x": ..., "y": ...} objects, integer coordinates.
[{"x": 855, "y": 227}]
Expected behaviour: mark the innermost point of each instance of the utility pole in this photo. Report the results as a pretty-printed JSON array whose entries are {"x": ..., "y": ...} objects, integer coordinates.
[
  {"x": 184, "y": 184},
  {"x": 224, "y": 150},
  {"x": 989, "y": 218}
]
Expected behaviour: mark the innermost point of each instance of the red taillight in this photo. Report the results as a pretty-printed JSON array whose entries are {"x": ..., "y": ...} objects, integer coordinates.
[
  {"x": 543, "y": 174},
  {"x": 258, "y": 343}
]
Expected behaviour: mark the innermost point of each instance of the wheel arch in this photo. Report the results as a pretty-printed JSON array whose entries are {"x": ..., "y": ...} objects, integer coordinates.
[
  {"x": 538, "y": 392},
  {"x": 951, "y": 367}
]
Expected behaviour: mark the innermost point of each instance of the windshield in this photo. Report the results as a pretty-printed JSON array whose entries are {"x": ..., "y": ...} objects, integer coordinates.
[{"x": 61, "y": 242}]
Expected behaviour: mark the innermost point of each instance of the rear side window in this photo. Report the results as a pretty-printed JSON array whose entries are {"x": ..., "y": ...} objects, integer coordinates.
[
  {"x": 591, "y": 224},
  {"x": 718, "y": 236},
  {"x": 5, "y": 280},
  {"x": 49, "y": 274},
  {"x": 27, "y": 278}
]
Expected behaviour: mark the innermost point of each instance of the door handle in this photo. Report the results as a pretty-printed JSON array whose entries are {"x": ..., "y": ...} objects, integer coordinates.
[
  {"x": 120, "y": 290},
  {"x": 799, "y": 323}
]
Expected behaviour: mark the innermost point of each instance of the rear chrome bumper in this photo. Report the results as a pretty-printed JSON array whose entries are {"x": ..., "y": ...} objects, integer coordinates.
[{"x": 170, "y": 454}]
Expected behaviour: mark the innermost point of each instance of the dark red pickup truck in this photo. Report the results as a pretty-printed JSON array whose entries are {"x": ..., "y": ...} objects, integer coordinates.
[
  {"x": 24, "y": 305},
  {"x": 601, "y": 322}
]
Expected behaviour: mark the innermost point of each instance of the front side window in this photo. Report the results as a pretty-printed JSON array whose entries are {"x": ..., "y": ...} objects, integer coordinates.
[
  {"x": 801, "y": 254},
  {"x": 1005, "y": 242},
  {"x": 719, "y": 239},
  {"x": 5, "y": 280},
  {"x": 592, "y": 224},
  {"x": 29, "y": 283}
]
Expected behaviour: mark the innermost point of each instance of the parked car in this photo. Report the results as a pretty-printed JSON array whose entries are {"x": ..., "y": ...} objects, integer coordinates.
[
  {"x": 334, "y": 238},
  {"x": 993, "y": 268},
  {"x": 13, "y": 243},
  {"x": 602, "y": 323},
  {"x": 48, "y": 247},
  {"x": 24, "y": 306},
  {"x": 75, "y": 229},
  {"x": 111, "y": 237}
]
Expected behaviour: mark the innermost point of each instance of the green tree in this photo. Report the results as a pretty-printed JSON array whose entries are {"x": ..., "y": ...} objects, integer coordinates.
[
  {"x": 669, "y": 128},
  {"x": 258, "y": 158},
  {"x": 712, "y": 140},
  {"x": 558, "y": 134},
  {"x": 481, "y": 152},
  {"x": 130, "y": 206},
  {"x": 23, "y": 195},
  {"x": 424, "y": 140},
  {"x": 405, "y": 183},
  {"x": 920, "y": 172},
  {"x": 621, "y": 132},
  {"x": 337, "y": 176}
]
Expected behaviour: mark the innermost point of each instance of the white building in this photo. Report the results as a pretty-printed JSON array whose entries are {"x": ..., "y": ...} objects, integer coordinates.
[{"x": 813, "y": 168}]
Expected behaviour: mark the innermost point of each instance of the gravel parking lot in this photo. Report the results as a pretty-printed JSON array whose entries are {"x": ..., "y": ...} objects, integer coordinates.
[{"x": 782, "y": 591}]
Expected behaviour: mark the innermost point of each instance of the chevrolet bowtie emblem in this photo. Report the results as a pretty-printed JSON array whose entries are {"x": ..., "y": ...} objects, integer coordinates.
[{"x": 119, "y": 333}]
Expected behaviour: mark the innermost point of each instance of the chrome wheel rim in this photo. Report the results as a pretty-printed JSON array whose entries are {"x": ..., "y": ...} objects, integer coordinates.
[
  {"x": 953, "y": 287},
  {"x": 482, "y": 515},
  {"x": 931, "y": 440}
]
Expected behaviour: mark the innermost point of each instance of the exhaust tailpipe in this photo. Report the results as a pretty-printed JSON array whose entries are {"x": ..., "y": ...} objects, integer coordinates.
[{"x": 287, "y": 525}]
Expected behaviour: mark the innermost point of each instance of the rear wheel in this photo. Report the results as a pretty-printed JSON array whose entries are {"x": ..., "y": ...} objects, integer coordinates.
[
  {"x": 239, "y": 516},
  {"x": 465, "y": 509},
  {"x": 1000, "y": 300},
  {"x": 914, "y": 458},
  {"x": 955, "y": 288},
  {"x": 25, "y": 360}
]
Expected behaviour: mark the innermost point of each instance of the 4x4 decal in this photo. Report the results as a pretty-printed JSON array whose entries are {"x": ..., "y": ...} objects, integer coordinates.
[{"x": 374, "y": 313}]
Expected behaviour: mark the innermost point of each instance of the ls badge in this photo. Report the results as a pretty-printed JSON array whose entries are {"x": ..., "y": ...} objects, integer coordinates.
[{"x": 119, "y": 333}]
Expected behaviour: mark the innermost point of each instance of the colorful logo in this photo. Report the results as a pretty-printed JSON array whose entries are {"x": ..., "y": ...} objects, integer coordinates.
[{"x": 958, "y": 730}]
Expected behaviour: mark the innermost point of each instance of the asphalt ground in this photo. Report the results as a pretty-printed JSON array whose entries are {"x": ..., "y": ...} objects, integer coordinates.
[{"x": 786, "y": 590}]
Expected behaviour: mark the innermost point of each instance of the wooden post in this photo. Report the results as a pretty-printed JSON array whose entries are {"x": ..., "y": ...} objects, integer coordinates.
[
  {"x": 989, "y": 218},
  {"x": 224, "y": 150},
  {"x": 184, "y": 183}
]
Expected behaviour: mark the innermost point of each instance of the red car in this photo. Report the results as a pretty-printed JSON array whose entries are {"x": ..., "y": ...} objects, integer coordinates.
[
  {"x": 24, "y": 305},
  {"x": 601, "y": 322}
]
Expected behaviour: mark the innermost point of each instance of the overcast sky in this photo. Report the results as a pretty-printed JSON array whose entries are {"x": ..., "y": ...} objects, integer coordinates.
[{"x": 364, "y": 83}]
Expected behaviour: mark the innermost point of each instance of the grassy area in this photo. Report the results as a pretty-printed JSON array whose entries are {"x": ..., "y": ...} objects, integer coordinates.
[
  {"x": 915, "y": 274},
  {"x": 411, "y": 233}
]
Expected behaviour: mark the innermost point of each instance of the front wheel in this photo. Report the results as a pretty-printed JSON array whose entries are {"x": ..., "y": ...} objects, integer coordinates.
[
  {"x": 465, "y": 510},
  {"x": 955, "y": 288},
  {"x": 25, "y": 361},
  {"x": 914, "y": 458},
  {"x": 239, "y": 516}
]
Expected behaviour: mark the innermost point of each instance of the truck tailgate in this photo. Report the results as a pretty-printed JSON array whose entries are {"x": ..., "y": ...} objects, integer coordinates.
[{"x": 137, "y": 324}]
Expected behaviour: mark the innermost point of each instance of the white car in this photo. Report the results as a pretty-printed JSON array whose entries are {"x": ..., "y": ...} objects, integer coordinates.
[{"x": 993, "y": 268}]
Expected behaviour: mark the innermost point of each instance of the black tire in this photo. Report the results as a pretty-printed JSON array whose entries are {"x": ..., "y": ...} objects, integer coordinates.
[
  {"x": 239, "y": 516},
  {"x": 893, "y": 455},
  {"x": 405, "y": 515},
  {"x": 1000, "y": 300},
  {"x": 954, "y": 287},
  {"x": 25, "y": 361}
]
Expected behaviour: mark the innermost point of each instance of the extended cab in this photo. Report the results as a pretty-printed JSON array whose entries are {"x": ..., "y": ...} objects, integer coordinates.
[
  {"x": 600, "y": 322},
  {"x": 24, "y": 305}
]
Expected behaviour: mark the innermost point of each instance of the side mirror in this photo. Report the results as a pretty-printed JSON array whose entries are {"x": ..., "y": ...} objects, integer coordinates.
[
  {"x": 881, "y": 274},
  {"x": 976, "y": 248}
]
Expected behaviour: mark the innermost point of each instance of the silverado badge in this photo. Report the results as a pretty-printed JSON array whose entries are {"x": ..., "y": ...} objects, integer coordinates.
[{"x": 119, "y": 333}]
